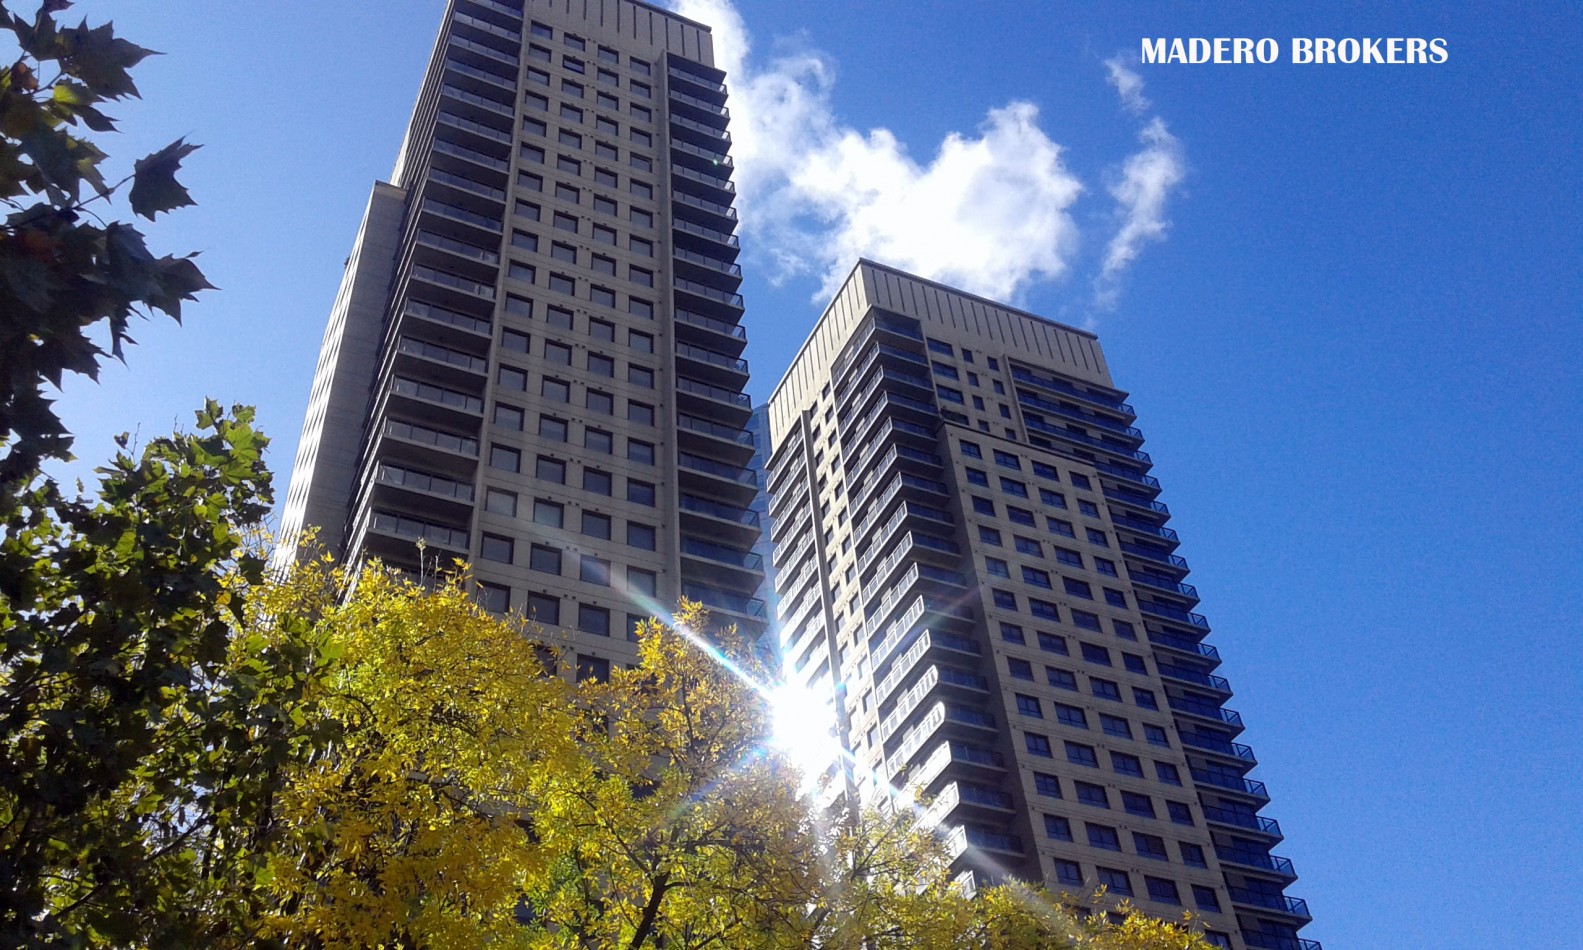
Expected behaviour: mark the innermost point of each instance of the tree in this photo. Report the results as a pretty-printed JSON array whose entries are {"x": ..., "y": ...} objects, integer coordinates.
[
  {"x": 64, "y": 272},
  {"x": 126, "y": 732}
]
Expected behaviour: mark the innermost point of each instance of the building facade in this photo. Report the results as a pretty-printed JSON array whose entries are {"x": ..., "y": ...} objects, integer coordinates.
[
  {"x": 975, "y": 567},
  {"x": 534, "y": 360}
]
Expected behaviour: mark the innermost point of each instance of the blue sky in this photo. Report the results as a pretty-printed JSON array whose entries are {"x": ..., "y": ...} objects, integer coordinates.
[{"x": 1350, "y": 329}]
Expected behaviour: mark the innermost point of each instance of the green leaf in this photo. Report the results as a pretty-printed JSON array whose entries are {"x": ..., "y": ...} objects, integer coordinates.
[{"x": 154, "y": 185}]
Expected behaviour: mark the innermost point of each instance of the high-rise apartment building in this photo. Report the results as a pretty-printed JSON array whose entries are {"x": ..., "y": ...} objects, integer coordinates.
[
  {"x": 975, "y": 567},
  {"x": 534, "y": 360}
]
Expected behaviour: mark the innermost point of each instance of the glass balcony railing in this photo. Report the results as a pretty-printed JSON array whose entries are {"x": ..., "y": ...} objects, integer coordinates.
[
  {"x": 703, "y": 231},
  {"x": 704, "y": 260},
  {"x": 462, "y": 321},
  {"x": 1206, "y": 710},
  {"x": 696, "y": 79},
  {"x": 1217, "y": 744},
  {"x": 708, "y": 155},
  {"x": 415, "y": 529},
  {"x": 423, "y": 435},
  {"x": 1133, "y": 498},
  {"x": 439, "y": 395},
  {"x": 476, "y": 128},
  {"x": 1130, "y": 474},
  {"x": 704, "y": 127},
  {"x": 704, "y": 426},
  {"x": 461, "y": 214},
  {"x": 720, "y": 600},
  {"x": 1037, "y": 424},
  {"x": 1060, "y": 385},
  {"x": 1173, "y": 612},
  {"x": 1206, "y": 680},
  {"x": 1184, "y": 644},
  {"x": 472, "y": 155},
  {"x": 466, "y": 184},
  {"x": 487, "y": 27},
  {"x": 1257, "y": 859},
  {"x": 731, "y": 473},
  {"x": 441, "y": 354},
  {"x": 1295, "y": 906},
  {"x": 482, "y": 74},
  {"x": 721, "y": 554},
  {"x": 718, "y": 393},
  {"x": 704, "y": 290},
  {"x": 488, "y": 52},
  {"x": 424, "y": 482},
  {"x": 1162, "y": 582},
  {"x": 1257, "y": 940},
  {"x": 459, "y": 248},
  {"x": 445, "y": 279},
  {"x": 1143, "y": 527},
  {"x": 1154, "y": 554},
  {"x": 1246, "y": 786},
  {"x": 473, "y": 99},
  {"x": 714, "y": 509},
  {"x": 1048, "y": 405},
  {"x": 1227, "y": 816},
  {"x": 732, "y": 330}
]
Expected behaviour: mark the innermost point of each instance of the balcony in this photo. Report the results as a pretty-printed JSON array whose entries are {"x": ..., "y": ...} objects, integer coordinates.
[
  {"x": 1208, "y": 743},
  {"x": 712, "y": 332},
  {"x": 1183, "y": 645},
  {"x": 1154, "y": 554},
  {"x": 730, "y": 483},
  {"x": 748, "y": 566},
  {"x": 1184, "y": 674},
  {"x": 1272, "y": 863},
  {"x": 699, "y": 158},
  {"x": 484, "y": 56},
  {"x": 1103, "y": 400},
  {"x": 698, "y": 361},
  {"x": 723, "y": 303},
  {"x": 719, "y": 600},
  {"x": 701, "y": 106},
  {"x": 416, "y": 529},
  {"x": 1037, "y": 424},
  {"x": 462, "y": 99},
  {"x": 1036, "y": 401},
  {"x": 729, "y": 442},
  {"x": 1162, "y": 582},
  {"x": 721, "y": 402},
  {"x": 1173, "y": 612},
  {"x": 512, "y": 37},
  {"x": 1130, "y": 474},
  {"x": 491, "y": 79},
  {"x": 428, "y": 402},
  {"x": 1244, "y": 786},
  {"x": 712, "y": 242},
  {"x": 1257, "y": 940},
  {"x": 704, "y": 185},
  {"x": 944, "y": 756},
  {"x": 1237, "y": 819},
  {"x": 746, "y": 517},
  {"x": 960, "y": 839},
  {"x": 1291, "y": 906},
  {"x": 699, "y": 133},
  {"x": 1203, "y": 710},
  {"x": 1137, "y": 500},
  {"x": 472, "y": 328},
  {"x": 414, "y": 487},
  {"x": 697, "y": 80},
  {"x": 425, "y": 436},
  {"x": 1139, "y": 526},
  {"x": 469, "y": 188}
]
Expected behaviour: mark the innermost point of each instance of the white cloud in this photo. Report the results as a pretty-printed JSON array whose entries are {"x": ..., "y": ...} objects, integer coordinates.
[
  {"x": 1129, "y": 85},
  {"x": 990, "y": 211}
]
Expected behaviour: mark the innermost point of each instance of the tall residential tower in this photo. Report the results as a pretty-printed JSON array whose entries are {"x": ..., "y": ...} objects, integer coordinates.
[
  {"x": 973, "y": 565},
  {"x": 534, "y": 361}
]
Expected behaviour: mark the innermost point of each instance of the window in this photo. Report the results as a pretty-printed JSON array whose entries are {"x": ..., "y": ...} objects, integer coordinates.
[
  {"x": 1029, "y": 706},
  {"x": 1098, "y": 537},
  {"x": 561, "y": 319},
  {"x": 1167, "y": 773},
  {"x": 1058, "y": 828},
  {"x": 1077, "y": 588},
  {"x": 509, "y": 377},
  {"x": 1038, "y": 745},
  {"x": 509, "y": 417},
  {"x": 1007, "y": 460},
  {"x": 604, "y": 235},
  {"x": 1179, "y": 812},
  {"x": 1160, "y": 889},
  {"x": 996, "y": 567},
  {"x": 555, "y": 390},
  {"x": 1011, "y": 633},
  {"x": 1123, "y": 764},
  {"x": 594, "y": 570},
  {"x": 642, "y": 342},
  {"x": 1087, "y": 508},
  {"x": 1144, "y": 698},
  {"x": 638, "y": 216},
  {"x": 1068, "y": 872},
  {"x": 641, "y": 247},
  {"x": 1115, "y": 598},
  {"x": 1062, "y": 528},
  {"x": 1052, "y": 643},
  {"x": 1103, "y": 836},
  {"x": 641, "y": 493},
  {"x": 641, "y": 162},
  {"x": 1081, "y": 481},
  {"x": 1052, "y": 499},
  {"x": 1135, "y": 804},
  {"x": 640, "y": 536},
  {"x": 1114, "y": 881},
  {"x": 602, "y": 331},
  {"x": 1091, "y": 794},
  {"x": 1206, "y": 899},
  {"x": 971, "y": 449},
  {"x": 1005, "y": 599},
  {"x": 493, "y": 547},
  {"x": 983, "y": 506},
  {"x": 639, "y": 66},
  {"x": 1061, "y": 679},
  {"x": 642, "y": 581},
  {"x": 1079, "y": 754},
  {"x": 639, "y": 307},
  {"x": 976, "y": 477},
  {"x": 1096, "y": 654},
  {"x": 522, "y": 307},
  {"x": 573, "y": 65},
  {"x": 536, "y": 127},
  {"x": 544, "y": 608},
  {"x": 494, "y": 597},
  {"x": 568, "y": 194},
  {"x": 547, "y": 513},
  {"x": 606, "y": 151},
  {"x": 640, "y": 376},
  {"x": 1071, "y": 716},
  {"x": 1134, "y": 663},
  {"x": 1106, "y": 567},
  {"x": 1115, "y": 726},
  {"x": 1104, "y": 689},
  {"x": 564, "y": 222},
  {"x": 1046, "y": 471},
  {"x": 1068, "y": 557},
  {"x": 545, "y": 559},
  {"x": 552, "y": 429},
  {"x": 1124, "y": 630},
  {"x": 1192, "y": 855},
  {"x": 1156, "y": 736},
  {"x": 1019, "y": 669},
  {"x": 507, "y": 460},
  {"x": 1030, "y": 546},
  {"x": 597, "y": 482},
  {"x": 596, "y": 525},
  {"x": 1020, "y": 515},
  {"x": 641, "y": 413},
  {"x": 550, "y": 470},
  {"x": 500, "y": 502},
  {"x": 1047, "y": 785},
  {"x": 605, "y": 205},
  {"x": 601, "y": 402},
  {"x": 1085, "y": 620},
  {"x": 601, "y": 365},
  {"x": 949, "y": 394},
  {"x": 640, "y": 452}
]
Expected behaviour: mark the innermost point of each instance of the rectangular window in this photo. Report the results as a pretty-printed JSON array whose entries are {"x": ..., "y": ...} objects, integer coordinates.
[
  {"x": 1011, "y": 633},
  {"x": 594, "y": 570},
  {"x": 1061, "y": 679},
  {"x": 1079, "y": 754},
  {"x": 596, "y": 525},
  {"x": 1077, "y": 588},
  {"x": 493, "y": 547},
  {"x": 1160, "y": 890},
  {"x": 641, "y": 536},
  {"x": 1047, "y": 785},
  {"x": 1135, "y": 804},
  {"x": 1019, "y": 669},
  {"x": 1115, "y": 726},
  {"x": 548, "y": 513},
  {"x": 1058, "y": 828},
  {"x": 544, "y": 559},
  {"x": 1103, "y": 836},
  {"x": 597, "y": 482},
  {"x": 1051, "y": 643},
  {"x": 500, "y": 502},
  {"x": 1068, "y": 872},
  {"x": 547, "y": 469},
  {"x": 641, "y": 493},
  {"x": 1123, "y": 764},
  {"x": 1029, "y": 706},
  {"x": 1114, "y": 881},
  {"x": 1071, "y": 716},
  {"x": 544, "y": 608},
  {"x": 505, "y": 459},
  {"x": 1096, "y": 654},
  {"x": 1167, "y": 773},
  {"x": 1038, "y": 745},
  {"x": 1104, "y": 689}
]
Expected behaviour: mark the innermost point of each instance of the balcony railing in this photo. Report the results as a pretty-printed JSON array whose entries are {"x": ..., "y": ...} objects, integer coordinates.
[
  {"x": 1184, "y": 644},
  {"x": 476, "y": 128},
  {"x": 706, "y": 129},
  {"x": 731, "y": 473},
  {"x": 704, "y": 260},
  {"x": 1227, "y": 816},
  {"x": 1039, "y": 425},
  {"x": 426, "y": 436},
  {"x": 1144, "y": 527},
  {"x": 720, "y": 600},
  {"x": 1187, "y": 675},
  {"x": 718, "y": 393},
  {"x": 459, "y": 248},
  {"x": 1058, "y": 385},
  {"x": 1246, "y": 786},
  {"x": 1295, "y": 906},
  {"x": 1154, "y": 554},
  {"x": 704, "y": 290},
  {"x": 1258, "y": 940},
  {"x": 1173, "y": 612},
  {"x": 704, "y": 231},
  {"x": 721, "y": 554},
  {"x": 1047, "y": 405},
  {"x": 418, "y": 530},
  {"x": 714, "y": 509},
  {"x": 732, "y": 330},
  {"x": 428, "y": 311},
  {"x": 488, "y": 52},
  {"x": 1140, "y": 501},
  {"x": 441, "y": 354},
  {"x": 1206, "y": 710},
  {"x": 728, "y": 433},
  {"x": 439, "y": 395},
  {"x": 696, "y": 79},
  {"x": 424, "y": 482},
  {"x": 1217, "y": 744},
  {"x": 461, "y": 214},
  {"x": 489, "y": 28},
  {"x": 484, "y": 74},
  {"x": 1257, "y": 859},
  {"x": 1161, "y": 582},
  {"x": 466, "y": 184}
]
